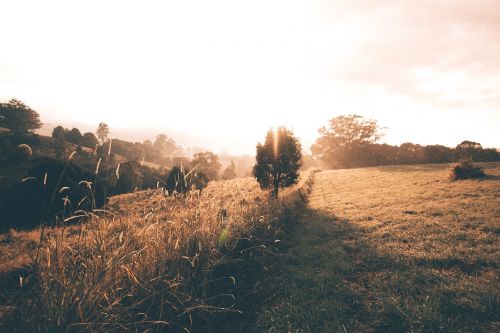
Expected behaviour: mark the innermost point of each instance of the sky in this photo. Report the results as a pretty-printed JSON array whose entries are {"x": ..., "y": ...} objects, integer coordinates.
[{"x": 225, "y": 72}]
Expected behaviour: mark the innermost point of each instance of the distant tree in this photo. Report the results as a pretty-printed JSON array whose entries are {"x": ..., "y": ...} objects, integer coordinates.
[
  {"x": 345, "y": 141},
  {"x": 58, "y": 133},
  {"x": 229, "y": 172},
  {"x": 166, "y": 146},
  {"x": 18, "y": 117},
  {"x": 89, "y": 140},
  {"x": 410, "y": 153},
  {"x": 278, "y": 160},
  {"x": 208, "y": 163},
  {"x": 102, "y": 132},
  {"x": 468, "y": 150},
  {"x": 74, "y": 136}
]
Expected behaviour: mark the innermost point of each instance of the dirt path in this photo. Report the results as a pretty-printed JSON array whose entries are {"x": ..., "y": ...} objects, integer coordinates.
[{"x": 374, "y": 268}]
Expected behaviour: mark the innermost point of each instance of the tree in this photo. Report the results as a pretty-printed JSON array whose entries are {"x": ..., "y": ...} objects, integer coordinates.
[
  {"x": 208, "y": 163},
  {"x": 18, "y": 117},
  {"x": 278, "y": 160},
  {"x": 58, "y": 133},
  {"x": 468, "y": 150},
  {"x": 166, "y": 146},
  {"x": 89, "y": 140},
  {"x": 102, "y": 132},
  {"x": 343, "y": 143},
  {"x": 74, "y": 136}
]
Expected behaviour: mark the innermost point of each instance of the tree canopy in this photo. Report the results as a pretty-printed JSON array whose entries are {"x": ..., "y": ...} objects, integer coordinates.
[
  {"x": 102, "y": 132},
  {"x": 345, "y": 140},
  {"x": 18, "y": 117},
  {"x": 278, "y": 160},
  {"x": 208, "y": 163}
]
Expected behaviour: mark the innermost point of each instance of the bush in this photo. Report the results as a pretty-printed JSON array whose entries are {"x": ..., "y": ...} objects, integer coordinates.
[
  {"x": 52, "y": 188},
  {"x": 466, "y": 169}
]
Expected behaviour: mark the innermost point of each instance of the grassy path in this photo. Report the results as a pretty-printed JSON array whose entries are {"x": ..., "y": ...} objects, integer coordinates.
[{"x": 396, "y": 249}]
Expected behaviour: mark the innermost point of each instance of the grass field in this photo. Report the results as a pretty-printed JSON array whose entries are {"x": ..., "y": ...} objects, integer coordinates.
[
  {"x": 149, "y": 263},
  {"x": 392, "y": 249}
]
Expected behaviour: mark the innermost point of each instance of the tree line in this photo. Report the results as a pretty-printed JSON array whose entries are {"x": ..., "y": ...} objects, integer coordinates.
[{"x": 351, "y": 141}]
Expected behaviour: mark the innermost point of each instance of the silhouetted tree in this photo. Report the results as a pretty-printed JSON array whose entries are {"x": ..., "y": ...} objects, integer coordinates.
[
  {"x": 18, "y": 117},
  {"x": 74, "y": 136},
  {"x": 345, "y": 140},
  {"x": 58, "y": 133},
  {"x": 229, "y": 172},
  {"x": 278, "y": 160},
  {"x": 468, "y": 150},
  {"x": 102, "y": 132},
  {"x": 89, "y": 140}
]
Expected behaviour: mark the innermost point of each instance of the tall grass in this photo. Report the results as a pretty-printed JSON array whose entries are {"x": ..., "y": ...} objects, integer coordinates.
[{"x": 161, "y": 264}]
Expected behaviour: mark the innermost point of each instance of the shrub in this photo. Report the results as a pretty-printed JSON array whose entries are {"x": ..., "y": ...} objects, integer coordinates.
[{"x": 466, "y": 169}]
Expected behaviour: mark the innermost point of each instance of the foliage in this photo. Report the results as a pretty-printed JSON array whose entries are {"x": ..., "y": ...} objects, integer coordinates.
[
  {"x": 73, "y": 136},
  {"x": 468, "y": 150},
  {"x": 466, "y": 169},
  {"x": 59, "y": 133},
  {"x": 278, "y": 160},
  {"x": 51, "y": 189},
  {"x": 181, "y": 180},
  {"x": 89, "y": 140},
  {"x": 18, "y": 117},
  {"x": 166, "y": 146},
  {"x": 102, "y": 132},
  {"x": 208, "y": 163},
  {"x": 346, "y": 139}
]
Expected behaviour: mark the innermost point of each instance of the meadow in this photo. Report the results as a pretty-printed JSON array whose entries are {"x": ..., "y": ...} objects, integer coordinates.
[
  {"x": 392, "y": 249},
  {"x": 148, "y": 262}
]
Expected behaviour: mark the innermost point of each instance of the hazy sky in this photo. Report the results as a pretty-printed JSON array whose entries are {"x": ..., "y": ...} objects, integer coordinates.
[{"x": 227, "y": 71}]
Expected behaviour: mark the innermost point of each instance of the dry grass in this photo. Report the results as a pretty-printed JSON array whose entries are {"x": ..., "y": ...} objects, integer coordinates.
[
  {"x": 393, "y": 249},
  {"x": 151, "y": 263}
]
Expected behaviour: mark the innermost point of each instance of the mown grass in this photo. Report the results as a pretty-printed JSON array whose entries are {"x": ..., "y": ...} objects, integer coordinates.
[
  {"x": 150, "y": 263},
  {"x": 392, "y": 249}
]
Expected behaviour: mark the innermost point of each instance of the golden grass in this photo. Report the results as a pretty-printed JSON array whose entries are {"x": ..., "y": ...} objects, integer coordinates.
[
  {"x": 397, "y": 248},
  {"x": 150, "y": 262}
]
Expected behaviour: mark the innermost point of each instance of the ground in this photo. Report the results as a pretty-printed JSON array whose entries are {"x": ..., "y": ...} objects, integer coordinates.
[{"x": 392, "y": 249}]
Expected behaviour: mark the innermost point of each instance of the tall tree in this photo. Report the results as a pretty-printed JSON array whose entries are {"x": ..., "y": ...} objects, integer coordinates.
[
  {"x": 102, "y": 132},
  {"x": 278, "y": 160},
  {"x": 18, "y": 117},
  {"x": 208, "y": 163},
  {"x": 342, "y": 144}
]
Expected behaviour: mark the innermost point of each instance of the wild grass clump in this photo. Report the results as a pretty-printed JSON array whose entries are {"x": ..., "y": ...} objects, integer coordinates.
[
  {"x": 152, "y": 263},
  {"x": 466, "y": 169}
]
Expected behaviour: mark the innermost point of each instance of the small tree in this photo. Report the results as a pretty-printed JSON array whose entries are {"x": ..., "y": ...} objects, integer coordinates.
[
  {"x": 102, "y": 132},
  {"x": 18, "y": 117},
  {"x": 278, "y": 160}
]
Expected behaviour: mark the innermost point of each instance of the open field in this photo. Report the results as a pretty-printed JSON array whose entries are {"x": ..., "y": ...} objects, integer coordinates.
[{"x": 392, "y": 249}]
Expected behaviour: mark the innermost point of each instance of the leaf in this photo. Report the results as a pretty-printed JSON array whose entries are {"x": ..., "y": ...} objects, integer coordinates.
[{"x": 221, "y": 242}]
